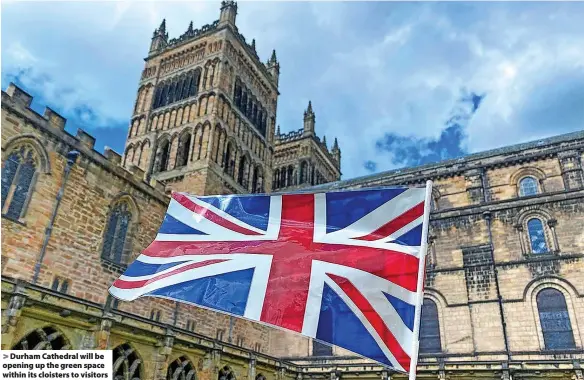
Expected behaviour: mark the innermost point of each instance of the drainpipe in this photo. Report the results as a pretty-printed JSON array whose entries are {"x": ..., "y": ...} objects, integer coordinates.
[
  {"x": 487, "y": 217},
  {"x": 71, "y": 159}
]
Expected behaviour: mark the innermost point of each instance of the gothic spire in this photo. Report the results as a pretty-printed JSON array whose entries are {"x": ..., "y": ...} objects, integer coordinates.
[
  {"x": 162, "y": 27},
  {"x": 324, "y": 140},
  {"x": 273, "y": 60},
  {"x": 253, "y": 44},
  {"x": 278, "y": 130},
  {"x": 190, "y": 29},
  {"x": 336, "y": 144}
]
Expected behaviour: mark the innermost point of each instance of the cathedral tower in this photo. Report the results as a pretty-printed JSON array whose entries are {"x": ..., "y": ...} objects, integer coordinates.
[{"x": 204, "y": 116}]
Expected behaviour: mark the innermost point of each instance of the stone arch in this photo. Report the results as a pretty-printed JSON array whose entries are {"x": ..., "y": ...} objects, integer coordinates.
[
  {"x": 129, "y": 150},
  {"x": 569, "y": 292},
  {"x": 530, "y": 171},
  {"x": 197, "y": 142},
  {"x": 45, "y": 338},
  {"x": 441, "y": 305},
  {"x": 162, "y": 154},
  {"x": 258, "y": 179},
  {"x": 34, "y": 142},
  {"x": 120, "y": 228},
  {"x": 127, "y": 364},
  {"x": 226, "y": 373},
  {"x": 185, "y": 139},
  {"x": 182, "y": 368},
  {"x": 22, "y": 163},
  {"x": 243, "y": 169},
  {"x": 548, "y": 223}
]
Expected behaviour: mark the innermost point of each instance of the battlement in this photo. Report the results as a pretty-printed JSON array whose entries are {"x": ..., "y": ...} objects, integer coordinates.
[
  {"x": 192, "y": 34},
  {"x": 17, "y": 102},
  {"x": 290, "y": 136}
]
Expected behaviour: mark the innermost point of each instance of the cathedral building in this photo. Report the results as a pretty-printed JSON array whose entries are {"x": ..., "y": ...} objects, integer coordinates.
[{"x": 504, "y": 295}]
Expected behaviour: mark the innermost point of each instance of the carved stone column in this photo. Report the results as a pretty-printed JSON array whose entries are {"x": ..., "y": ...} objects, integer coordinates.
[
  {"x": 162, "y": 357},
  {"x": 103, "y": 334},
  {"x": 11, "y": 316},
  {"x": 251, "y": 373},
  {"x": 520, "y": 231},
  {"x": 552, "y": 225}
]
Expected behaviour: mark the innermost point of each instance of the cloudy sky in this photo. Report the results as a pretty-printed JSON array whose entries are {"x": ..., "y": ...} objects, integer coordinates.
[{"x": 399, "y": 84}]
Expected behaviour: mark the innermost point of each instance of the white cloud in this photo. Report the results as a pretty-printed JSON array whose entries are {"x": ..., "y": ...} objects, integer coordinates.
[{"x": 369, "y": 68}]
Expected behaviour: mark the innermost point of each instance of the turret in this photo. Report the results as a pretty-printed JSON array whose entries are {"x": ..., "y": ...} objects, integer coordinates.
[
  {"x": 159, "y": 38},
  {"x": 336, "y": 152},
  {"x": 309, "y": 119},
  {"x": 274, "y": 67},
  {"x": 228, "y": 13}
]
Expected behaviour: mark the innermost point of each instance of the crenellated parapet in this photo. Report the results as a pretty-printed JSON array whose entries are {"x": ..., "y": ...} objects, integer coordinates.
[{"x": 51, "y": 126}]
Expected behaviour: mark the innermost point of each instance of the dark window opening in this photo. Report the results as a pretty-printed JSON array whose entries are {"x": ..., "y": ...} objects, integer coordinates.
[{"x": 555, "y": 320}]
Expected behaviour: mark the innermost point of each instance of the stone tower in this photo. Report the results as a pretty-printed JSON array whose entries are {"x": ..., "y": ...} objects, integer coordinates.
[
  {"x": 204, "y": 116},
  {"x": 302, "y": 159}
]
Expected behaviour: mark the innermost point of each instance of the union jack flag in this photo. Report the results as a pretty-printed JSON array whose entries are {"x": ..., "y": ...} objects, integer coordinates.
[{"x": 340, "y": 267}]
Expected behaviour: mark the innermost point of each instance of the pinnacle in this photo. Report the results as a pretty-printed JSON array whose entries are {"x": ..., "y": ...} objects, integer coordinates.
[
  {"x": 309, "y": 109},
  {"x": 324, "y": 140},
  {"x": 273, "y": 58},
  {"x": 162, "y": 27},
  {"x": 190, "y": 29},
  {"x": 336, "y": 144},
  {"x": 253, "y": 44}
]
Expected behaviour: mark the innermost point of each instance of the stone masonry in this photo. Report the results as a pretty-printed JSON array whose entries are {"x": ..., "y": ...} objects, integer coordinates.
[{"x": 506, "y": 229}]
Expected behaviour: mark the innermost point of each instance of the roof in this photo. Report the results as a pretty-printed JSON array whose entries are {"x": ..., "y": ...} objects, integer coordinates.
[{"x": 511, "y": 149}]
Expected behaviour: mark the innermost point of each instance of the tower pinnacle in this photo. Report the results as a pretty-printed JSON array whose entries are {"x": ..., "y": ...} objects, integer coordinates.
[{"x": 309, "y": 119}]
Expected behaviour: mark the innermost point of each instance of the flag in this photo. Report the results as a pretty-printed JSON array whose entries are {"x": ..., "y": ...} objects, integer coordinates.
[{"x": 340, "y": 267}]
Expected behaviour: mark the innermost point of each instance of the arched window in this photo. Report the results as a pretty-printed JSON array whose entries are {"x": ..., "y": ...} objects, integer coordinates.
[
  {"x": 275, "y": 183},
  {"x": 226, "y": 373},
  {"x": 127, "y": 365},
  {"x": 162, "y": 157},
  {"x": 182, "y": 154},
  {"x": 19, "y": 173},
  {"x": 171, "y": 90},
  {"x": 290, "y": 177},
  {"x": 429, "y": 328},
  {"x": 243, "y": 174},
  {"x": 536, "y": 233},
  {"x": 237, "y": 95},
  {"x": 46, "y": 338},
  {"x": 178, "y": 89},
  {"x": 259, "y": 181},
  {"x": 195, "y": 83},
  {"x": 157, "y": 96},
  {"x": 229, "y": 162},
  {"x": 528, "y": 186},
  {"x": 303, "y": 172},
  {"x": 116, "y": 232},
  {"x": 186, "y": 87},
  {"x": 554, "y": 320},
  {"x": 181, "y": 369},
  {"x": 244, "y": 102}
]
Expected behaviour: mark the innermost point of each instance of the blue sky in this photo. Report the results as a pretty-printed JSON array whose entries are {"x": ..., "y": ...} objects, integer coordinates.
[{"x": 399, "y": 84}]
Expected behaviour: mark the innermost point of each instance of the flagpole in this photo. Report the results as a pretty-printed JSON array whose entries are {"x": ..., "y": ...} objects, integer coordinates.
[{"x": 420, "y": 286}]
